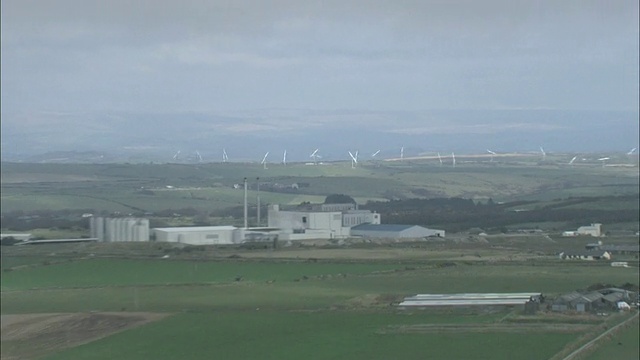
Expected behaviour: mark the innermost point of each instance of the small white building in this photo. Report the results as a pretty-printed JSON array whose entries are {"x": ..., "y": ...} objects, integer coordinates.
[
  {"x": 19, "y": 237},
  {"x": 391, "y": 231}
]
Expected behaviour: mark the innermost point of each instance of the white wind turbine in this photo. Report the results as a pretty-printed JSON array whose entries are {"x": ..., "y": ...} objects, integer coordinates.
[
  {"x": 632, "y": 151},
  {"x": 354, "y": 159},
  {"x": 453, "y": 159},
  {"x": 225, "y": 158},
  {"x": 264, "y": 160},
  {"x": 175, "y": 157},
  {"x": 572, "y": 160},
  {"x": 440, "y": 158},
  {"x": 375, "y": 153},
  {"x": 402, "y": 153},
  {"x": 604, "y": 160},
  {"x": 544, "y": 154},
  {"x": 314, "y": 156},
  {"x": 284, "y": 158},
  {"x": 492, "y": 153},
  {"x": 199, "y": 156}
]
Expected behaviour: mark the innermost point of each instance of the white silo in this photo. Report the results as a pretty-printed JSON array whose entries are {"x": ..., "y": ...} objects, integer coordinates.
[
  {"x": 92, "y": 227},
  {"x": 110, "y": 229},
  {"x": 99, "y": 221}
]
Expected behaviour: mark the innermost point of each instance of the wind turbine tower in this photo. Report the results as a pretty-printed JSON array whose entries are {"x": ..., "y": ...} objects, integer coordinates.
[
  {"x": 572, "y": 160},
  {"x": 604, "y": 160},
  {"x": 354, "y": 159},
  {"x": 284, "y": 158},
  {"x": 492, "y": 153},
  {"x": 402, "y": 153},
  {"x": 264, "y": 160},
  {"x": 453, "y": 159},
  {"x": 314, "y": 156}
]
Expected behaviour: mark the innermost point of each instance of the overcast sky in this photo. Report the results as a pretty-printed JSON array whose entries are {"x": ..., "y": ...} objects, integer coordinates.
[{"x": 217, "y": 56}]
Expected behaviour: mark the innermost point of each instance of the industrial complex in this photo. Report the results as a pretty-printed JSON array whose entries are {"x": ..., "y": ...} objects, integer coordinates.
[{"x": 309, "y": 222}]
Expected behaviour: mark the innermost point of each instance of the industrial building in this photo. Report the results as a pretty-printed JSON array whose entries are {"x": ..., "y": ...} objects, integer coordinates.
[
  {"x": 615, "y": 249},
  {"x": 390, "y": 231},
  {"x": 302, "y": 225},
  {"x": 319, "y": 221},
  {"x": 591, "y": 230},
  {"x": 119, "y": 229}
]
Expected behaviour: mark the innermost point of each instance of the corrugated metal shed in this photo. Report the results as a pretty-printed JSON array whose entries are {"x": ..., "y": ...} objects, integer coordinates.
[{"x": 394, "y": 231}]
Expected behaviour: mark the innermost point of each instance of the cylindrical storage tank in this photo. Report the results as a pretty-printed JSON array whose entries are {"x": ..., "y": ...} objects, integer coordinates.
[
  {"x": 92, "y": 227},
  {"x": 145, "y": 225},
  {"x": 138, "y": 233},
  {"x": 110, "y": 229},
  {"x": 119, "y": 229},
  {"x": 100, "y": 228}
]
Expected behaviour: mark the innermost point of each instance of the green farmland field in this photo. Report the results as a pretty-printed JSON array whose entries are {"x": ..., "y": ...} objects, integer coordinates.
[{"x": 287, "y": 309}]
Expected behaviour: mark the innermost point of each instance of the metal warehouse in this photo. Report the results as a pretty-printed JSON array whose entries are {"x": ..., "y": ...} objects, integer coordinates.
[
  {"x": 200, "y": 235},
  {"x": 390, "y": 231}
]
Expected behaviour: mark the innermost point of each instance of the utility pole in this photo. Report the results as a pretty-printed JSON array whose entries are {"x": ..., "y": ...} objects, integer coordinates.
[
  {"x": 245, "y": 203},
  {"x": 258, "y": 200}
]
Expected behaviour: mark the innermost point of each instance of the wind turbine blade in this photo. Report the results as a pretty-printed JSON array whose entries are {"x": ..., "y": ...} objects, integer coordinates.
[
  {"x": 375, "y": 153},
  {"x": 314, "y": 153},
  {"x": 351, "y": 155}
]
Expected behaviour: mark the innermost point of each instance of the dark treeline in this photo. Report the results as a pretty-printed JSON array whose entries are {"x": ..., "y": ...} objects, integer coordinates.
[{"x": 456, "y": 214}]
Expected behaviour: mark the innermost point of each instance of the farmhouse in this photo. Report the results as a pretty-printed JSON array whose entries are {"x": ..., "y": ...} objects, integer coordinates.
[
  {"x": 391, "y": 231},
  {"x": 585, "y": 255}
]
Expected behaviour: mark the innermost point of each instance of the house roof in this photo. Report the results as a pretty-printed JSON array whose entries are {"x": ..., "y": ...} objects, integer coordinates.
[
  {"x": 613, "y": 297},
  {"x": 592, "y": 296},
  {"x": 383, "y": 227},
  {"x": 629, "y": 248}
]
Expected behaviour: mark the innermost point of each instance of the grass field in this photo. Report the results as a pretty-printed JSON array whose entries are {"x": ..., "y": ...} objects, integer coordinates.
[
  {"x": 116, "y": 187},
  {"x": 335, "y": 335},
  {"x": 288, "y": 308}
]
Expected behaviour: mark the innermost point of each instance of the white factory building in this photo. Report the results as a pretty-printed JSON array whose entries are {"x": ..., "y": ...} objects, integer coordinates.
[
  {"x": 315, "y": 221},
  {"x": 119, "y": 229},
  {"x": 324, "y": 221},
  {"x": 591, "y": 230}
]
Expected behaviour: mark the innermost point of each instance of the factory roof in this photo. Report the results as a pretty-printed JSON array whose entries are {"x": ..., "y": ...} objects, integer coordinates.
[
  {"x": 196, "y": 228},
  {"x": 382, "y": 227}
]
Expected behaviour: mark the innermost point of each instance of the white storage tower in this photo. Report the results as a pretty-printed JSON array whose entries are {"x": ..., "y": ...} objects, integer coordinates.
[{"x": 119, "y": 229}]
